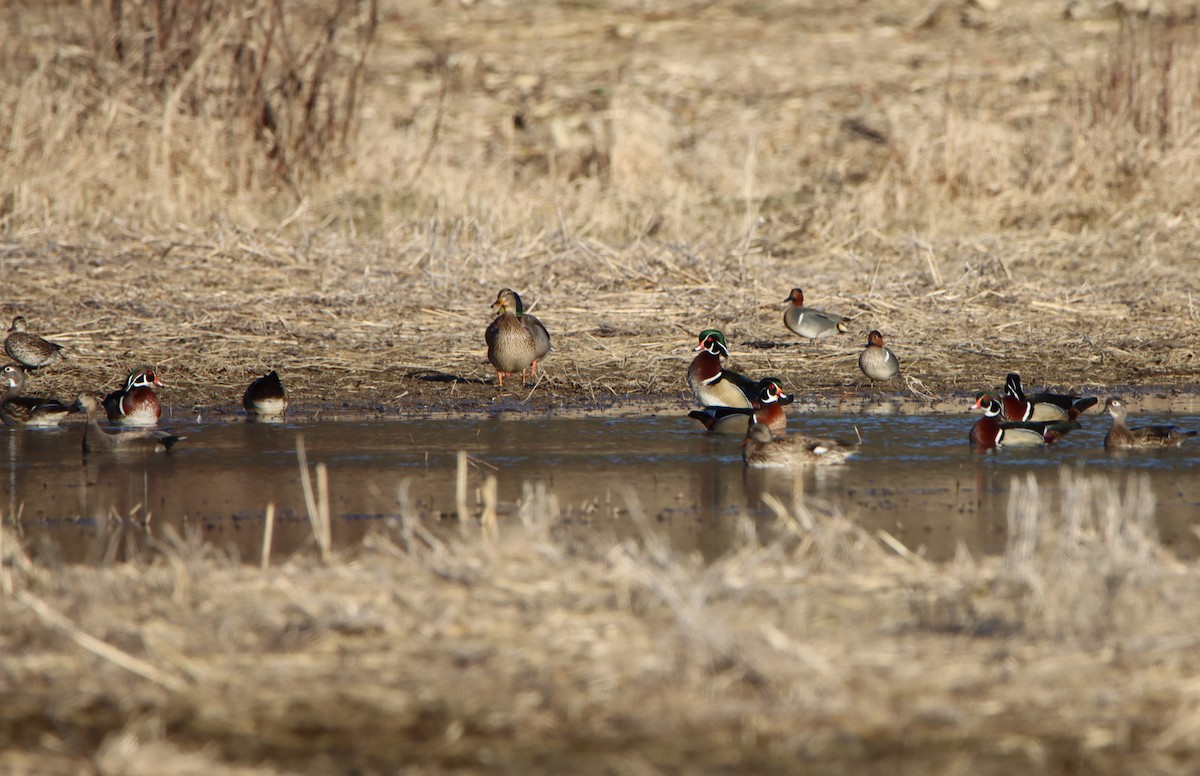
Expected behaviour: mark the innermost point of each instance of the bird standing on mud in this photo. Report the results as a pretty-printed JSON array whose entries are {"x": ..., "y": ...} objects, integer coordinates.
[
  {"x": 810, "y": 322},
  {"x": 30, "y": 350},
  {"x": 877, "y": 361},
  {"x": 516, "y": 340}
]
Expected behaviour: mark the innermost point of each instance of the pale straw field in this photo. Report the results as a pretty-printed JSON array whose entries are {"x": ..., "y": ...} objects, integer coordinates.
[{"x": 338, "y": 190}]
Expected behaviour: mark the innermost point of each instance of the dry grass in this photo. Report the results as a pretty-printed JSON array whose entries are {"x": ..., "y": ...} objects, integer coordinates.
[
  {"x": 520, "y": 652},
  {"x": 994, "y": 191}
]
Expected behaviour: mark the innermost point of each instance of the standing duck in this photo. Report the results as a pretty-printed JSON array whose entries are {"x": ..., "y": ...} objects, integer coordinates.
[
  {"x": 711, "y": 384},
  {"x": 990, "y": 431},
  {"x": 135, "y": 403},
  {"x": 761, "y": 449},
  {"x": 516, "y": 340},
  {"x": 265, "y": 398},
  {"x": 18, "y": 410},
  {"x": 808, "y": 322},
  {"x": 877, "y": 361},
  {"x": 98, "y": 440},
  {"x": 1121, "y": 437},
  {"x": 767, "y": 409},
  {"x": 30, "y": 350},
  {"x": 1042, "y": 405}
]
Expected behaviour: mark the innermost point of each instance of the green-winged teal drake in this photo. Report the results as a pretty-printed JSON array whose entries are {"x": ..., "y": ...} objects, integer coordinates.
[
  {"x": 809, "y": 322},
  {"x": 877, "y": 361},
  {"x": 516, "y": 340},
  {"x": 30, "y": 350},
  {"x": 1121, "y": 437}
]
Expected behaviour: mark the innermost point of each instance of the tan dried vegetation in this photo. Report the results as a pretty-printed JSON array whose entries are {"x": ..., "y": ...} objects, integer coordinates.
[
  {"x": 338, "y": 189},
  {"x": 517, "y": 650}
]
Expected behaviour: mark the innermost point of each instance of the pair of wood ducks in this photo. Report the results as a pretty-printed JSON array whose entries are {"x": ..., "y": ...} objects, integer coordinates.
[
  {"x": 1012, "y": 418},
  {"x": 734, "y": 404},
  {"x": 134, "y": 404}
]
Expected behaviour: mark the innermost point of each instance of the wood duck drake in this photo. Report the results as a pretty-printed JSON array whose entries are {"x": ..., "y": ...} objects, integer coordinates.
[
  {"x": 516, "y": 340},
  {"x": 99, "y": 440},
  {"x": 877, "y": 361},
  {"x": 135, "y": 403},
  {"x": 990, "y": 431},
  {"x": 809, "y": 322},
  {"x": 30, "y": 350},
  {"x": 761, "y": 449},
  {"x": 1042, "y": 405},
  {"x": 712, "y": 384},
  {"x": 735, "y": 421},
  {"x": 265, "y": 398},
  {"x": 1121, "y": 437},
  {"x": 18, "y": 410}
]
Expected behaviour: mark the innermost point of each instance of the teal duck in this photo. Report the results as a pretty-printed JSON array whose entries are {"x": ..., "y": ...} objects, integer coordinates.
[
  {"x": 266, "y": 398},
  {"x": 1121, "y": 437},
  {"x": 735, "y": 421},
  {"x": 30, "y": 350},
  {"x": 18, "y": 410},
  {"x": 809, "y": 322},
  {"x": 990, "y": 431},
  {"x": 761, "y": 449},
  {"x": 710, "y": 382},
  {"x": 516, "y": 340},
  {"x": 135, "y": 403},
  {"x": 98, "y": 440},
  {"x": 877, "y": 361}
]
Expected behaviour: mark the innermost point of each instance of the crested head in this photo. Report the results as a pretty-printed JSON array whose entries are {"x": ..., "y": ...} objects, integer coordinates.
[
  {"x": 714, "y": 342},
  {"x": 796, "y": 297},
  {"x": 1012, "y": 386},
  {"x": 990, "y": 404},
  {"x": 1115, "y": 407},
  {"x": 508, "y": 301},
  {"x": 770, "y": 391},
  {"x": 980, "y": 398},
  {"x": 875, "y": 338},
  {"x": 142, "y": 377}
]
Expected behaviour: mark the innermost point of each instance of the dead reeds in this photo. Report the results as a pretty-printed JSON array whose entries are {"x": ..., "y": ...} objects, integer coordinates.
[{"x": 825, "y": 643}]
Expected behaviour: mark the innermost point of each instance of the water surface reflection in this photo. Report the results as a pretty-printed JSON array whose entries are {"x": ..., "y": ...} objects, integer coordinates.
[{"x": 915, "y": 478}]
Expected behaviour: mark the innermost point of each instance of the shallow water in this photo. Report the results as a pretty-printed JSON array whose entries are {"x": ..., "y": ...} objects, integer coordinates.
[{"x": 915, "y": 477}]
